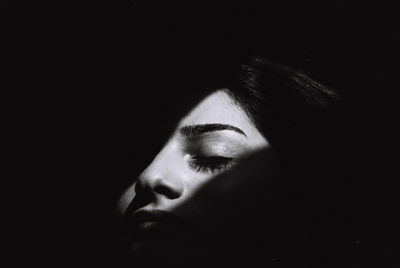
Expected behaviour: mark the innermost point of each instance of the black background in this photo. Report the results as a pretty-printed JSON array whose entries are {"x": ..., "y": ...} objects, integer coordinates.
[{"x": 79, "y": 127}]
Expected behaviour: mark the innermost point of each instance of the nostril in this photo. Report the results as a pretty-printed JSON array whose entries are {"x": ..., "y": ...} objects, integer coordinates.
[
  {"x": 169, "y": 192},
  {"x": 143, "y": 197}
]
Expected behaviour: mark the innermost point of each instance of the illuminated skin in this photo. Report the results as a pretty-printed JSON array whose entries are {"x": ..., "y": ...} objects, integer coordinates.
[
  {"x": 200, "y": 176},
  {"x": 175, "y": 167}
]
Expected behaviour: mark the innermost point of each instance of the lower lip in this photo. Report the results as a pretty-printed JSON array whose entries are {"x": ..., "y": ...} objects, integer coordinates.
[
  {"x": 148, "y": 236},
  {"x": 153, "y": 229},
  {"x": 149, "y": 229},
  {"x": 149, "y": 224}
]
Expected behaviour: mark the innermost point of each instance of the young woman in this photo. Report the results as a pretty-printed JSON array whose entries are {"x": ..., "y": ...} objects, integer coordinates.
[{"x": 245, "y": 179}]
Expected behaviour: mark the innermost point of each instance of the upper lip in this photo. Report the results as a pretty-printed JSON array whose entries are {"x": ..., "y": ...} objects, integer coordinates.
[
  {"x": 152, "y": 216},
  {"x": 155, "y": 215}
]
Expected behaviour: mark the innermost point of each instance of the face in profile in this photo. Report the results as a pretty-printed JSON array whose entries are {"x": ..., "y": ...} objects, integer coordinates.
[{"x": 202, "y": 186}]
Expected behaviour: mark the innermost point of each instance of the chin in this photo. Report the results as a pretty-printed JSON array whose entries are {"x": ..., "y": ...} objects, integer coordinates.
[{"x": 162, "y": 253}]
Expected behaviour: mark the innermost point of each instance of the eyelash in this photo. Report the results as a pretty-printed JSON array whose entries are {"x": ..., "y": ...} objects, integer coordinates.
[{"x": 212, "y": 164}]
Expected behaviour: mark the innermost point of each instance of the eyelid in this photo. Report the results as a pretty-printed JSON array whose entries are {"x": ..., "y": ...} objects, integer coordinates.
[
  {"x": 214, "y": 146},
  {"x": 220, "y": 134},
  {"x": 213, "y": 164}
]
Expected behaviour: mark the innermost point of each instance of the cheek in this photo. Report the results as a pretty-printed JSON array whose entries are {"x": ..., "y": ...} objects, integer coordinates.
[
  {"x": 254, "y": 184},
  {"x": 195, "y": 181},
  {"x": 125, "y": 199}
]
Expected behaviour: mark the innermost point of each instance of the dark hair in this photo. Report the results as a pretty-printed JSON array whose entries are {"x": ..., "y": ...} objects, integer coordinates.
[
  {"x": 294, "y": 111},
  {"x": 303, "y": 121},
  {"x": 300, "y": 117}
]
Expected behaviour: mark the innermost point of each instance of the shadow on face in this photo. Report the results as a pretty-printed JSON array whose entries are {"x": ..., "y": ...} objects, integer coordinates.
[{"x": 214, "y": 194}]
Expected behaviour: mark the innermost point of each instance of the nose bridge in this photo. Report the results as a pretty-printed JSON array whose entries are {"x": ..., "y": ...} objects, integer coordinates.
[
  {"x": 163, "y": 175},
  {"x": 158, "y": 168}
]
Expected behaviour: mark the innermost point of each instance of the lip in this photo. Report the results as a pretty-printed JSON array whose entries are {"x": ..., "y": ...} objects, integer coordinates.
[
  {"x": 161, "y": 216},
  {"x": 153, "y": 224}
]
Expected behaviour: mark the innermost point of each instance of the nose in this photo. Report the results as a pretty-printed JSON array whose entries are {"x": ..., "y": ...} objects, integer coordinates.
[{"x": 162, "y": 179}]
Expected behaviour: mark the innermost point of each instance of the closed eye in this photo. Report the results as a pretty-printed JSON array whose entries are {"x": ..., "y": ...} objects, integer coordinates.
[{"x": 213, "y": 164}]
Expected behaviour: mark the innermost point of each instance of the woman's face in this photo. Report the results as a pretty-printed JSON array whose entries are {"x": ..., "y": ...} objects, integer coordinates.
[{"x": 197, "y": 176}]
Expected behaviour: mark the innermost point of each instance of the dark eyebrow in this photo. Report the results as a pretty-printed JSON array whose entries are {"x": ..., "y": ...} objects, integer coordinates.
[{"x": 195, "y": 130}]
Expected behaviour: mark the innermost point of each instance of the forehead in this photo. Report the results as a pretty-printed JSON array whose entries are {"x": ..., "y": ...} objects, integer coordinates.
[{"x": 219, "y": 108}]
